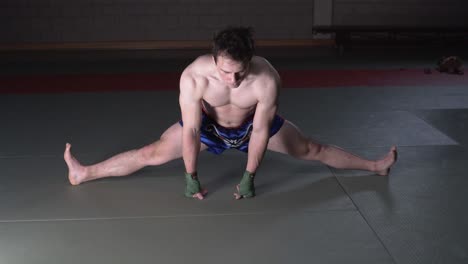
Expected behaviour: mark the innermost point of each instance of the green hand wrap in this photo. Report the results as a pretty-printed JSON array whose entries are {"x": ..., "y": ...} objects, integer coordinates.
[
  {"x": 246, "y": 186},
  {"x": 192, "y": 184}
]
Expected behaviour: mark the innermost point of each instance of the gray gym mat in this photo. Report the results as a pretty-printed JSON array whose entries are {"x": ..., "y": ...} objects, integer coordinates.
[
  {"x": 372, "y": 99},
  {"x": 452, "y": 122},
  {"x": 369, "y": 129},
  {"x": 302, "y": 214},
  {"x": 294, "y": 237},
  {"x": 419, "y": 211},
  {"x": 113, "y": 122},
  {"x": 37, "y": 188}
]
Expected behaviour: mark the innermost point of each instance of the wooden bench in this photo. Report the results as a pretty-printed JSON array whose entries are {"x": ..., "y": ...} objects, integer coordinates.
[{"x": 346, "y": 36}]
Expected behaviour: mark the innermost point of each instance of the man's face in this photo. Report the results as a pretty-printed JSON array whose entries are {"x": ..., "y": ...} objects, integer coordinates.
[{"x": 231, "y": 72}]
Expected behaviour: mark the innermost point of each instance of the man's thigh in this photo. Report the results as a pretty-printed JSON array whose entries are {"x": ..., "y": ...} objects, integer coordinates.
[
  {"x": 171, "y": 141},
  {"x": 289, "y": 140}
]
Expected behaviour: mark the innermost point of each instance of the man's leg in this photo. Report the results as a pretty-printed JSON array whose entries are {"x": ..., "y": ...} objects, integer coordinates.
[
  {"x": 289, "y": 140},
  {"x": 167, "y": 148}
]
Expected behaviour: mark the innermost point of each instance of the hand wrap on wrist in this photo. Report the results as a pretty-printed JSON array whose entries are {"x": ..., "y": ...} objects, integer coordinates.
[
  {"x": 192, "y": 184},
  {"x": 246, "y": 186}
]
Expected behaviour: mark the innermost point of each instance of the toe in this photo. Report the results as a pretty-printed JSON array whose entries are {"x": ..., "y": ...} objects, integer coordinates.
[{"x": 395, "y": 153}]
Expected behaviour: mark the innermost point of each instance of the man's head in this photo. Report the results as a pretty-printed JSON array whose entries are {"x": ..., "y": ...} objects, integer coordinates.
[
  {"x": 233, "y": 49},
  {"x": 235, "y": 42}
]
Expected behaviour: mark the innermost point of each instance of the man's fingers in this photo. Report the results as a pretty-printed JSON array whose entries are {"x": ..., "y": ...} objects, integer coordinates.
[
  {"x": 199, "y": 196},
  {"x": 237, "y": 195}
]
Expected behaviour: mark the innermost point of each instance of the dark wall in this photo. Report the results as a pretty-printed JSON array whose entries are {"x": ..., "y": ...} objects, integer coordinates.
[
  {"x": 140, "y": 20},
  {"x": 120, "y": 20}
]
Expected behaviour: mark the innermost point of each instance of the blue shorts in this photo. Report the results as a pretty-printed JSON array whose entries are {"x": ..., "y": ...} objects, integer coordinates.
[{"x": 218, "y": 138}]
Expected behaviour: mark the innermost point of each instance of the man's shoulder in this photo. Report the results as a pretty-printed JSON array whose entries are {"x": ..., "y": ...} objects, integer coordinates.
[
  {"x": 195, "y": 75},
  {"x": 263, "y": 62},
  {"x": 264, "y": 71},
  {"x": 198, "y": 67},
  {"x": 200, "y": 63}
]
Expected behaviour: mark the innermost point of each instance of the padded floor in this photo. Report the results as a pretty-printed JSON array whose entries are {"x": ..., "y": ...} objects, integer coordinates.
[
  {"x": 305, "y": 212},
  {"x": 419, "y": 212}
]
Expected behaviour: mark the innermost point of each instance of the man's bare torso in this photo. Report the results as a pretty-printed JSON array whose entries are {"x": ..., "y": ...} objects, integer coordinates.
[{"x": 230, "y": 106}]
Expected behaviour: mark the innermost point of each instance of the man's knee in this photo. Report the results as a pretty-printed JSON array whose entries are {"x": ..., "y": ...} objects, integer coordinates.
[
  {"x": 313, "y": 150},
  {"x": 150, "y": 154}
]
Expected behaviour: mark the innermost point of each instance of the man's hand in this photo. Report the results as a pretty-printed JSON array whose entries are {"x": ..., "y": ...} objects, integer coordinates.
[
  {"x": 246, "y": 188},
  {"x": 193, "y": 188}
]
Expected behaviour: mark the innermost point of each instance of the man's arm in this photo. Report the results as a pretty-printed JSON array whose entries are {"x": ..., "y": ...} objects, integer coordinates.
[
  {"x": 189, "y": 100},
  {"x": 264, "y": 115}
]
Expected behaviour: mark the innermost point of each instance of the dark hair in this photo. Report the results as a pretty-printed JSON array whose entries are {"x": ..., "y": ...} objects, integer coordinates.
[{"x": 237, "y": 42}]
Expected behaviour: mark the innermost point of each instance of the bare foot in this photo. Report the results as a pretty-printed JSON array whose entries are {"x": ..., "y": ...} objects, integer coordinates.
[
  {"x": 382, "y": 166},
  {"x": 76, "y": 171}
]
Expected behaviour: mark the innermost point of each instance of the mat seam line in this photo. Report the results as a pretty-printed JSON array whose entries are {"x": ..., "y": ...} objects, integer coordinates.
[{"x": 362, "y": 215}]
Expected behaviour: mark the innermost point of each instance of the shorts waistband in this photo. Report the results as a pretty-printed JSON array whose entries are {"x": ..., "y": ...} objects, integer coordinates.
[{"x": 247, "y": 121}]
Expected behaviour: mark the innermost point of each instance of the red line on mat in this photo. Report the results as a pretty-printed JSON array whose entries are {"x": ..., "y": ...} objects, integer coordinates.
[{"x": 63, "y": 83}]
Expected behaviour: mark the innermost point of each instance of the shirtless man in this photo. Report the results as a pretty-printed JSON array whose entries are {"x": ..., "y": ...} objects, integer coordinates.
[{"x": 228, "y": 99}]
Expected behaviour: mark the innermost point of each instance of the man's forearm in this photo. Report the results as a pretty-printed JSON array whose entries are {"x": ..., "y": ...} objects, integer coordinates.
[
  {"x": 190, "y": 149},
  {"x": 257, "y": 146}
]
